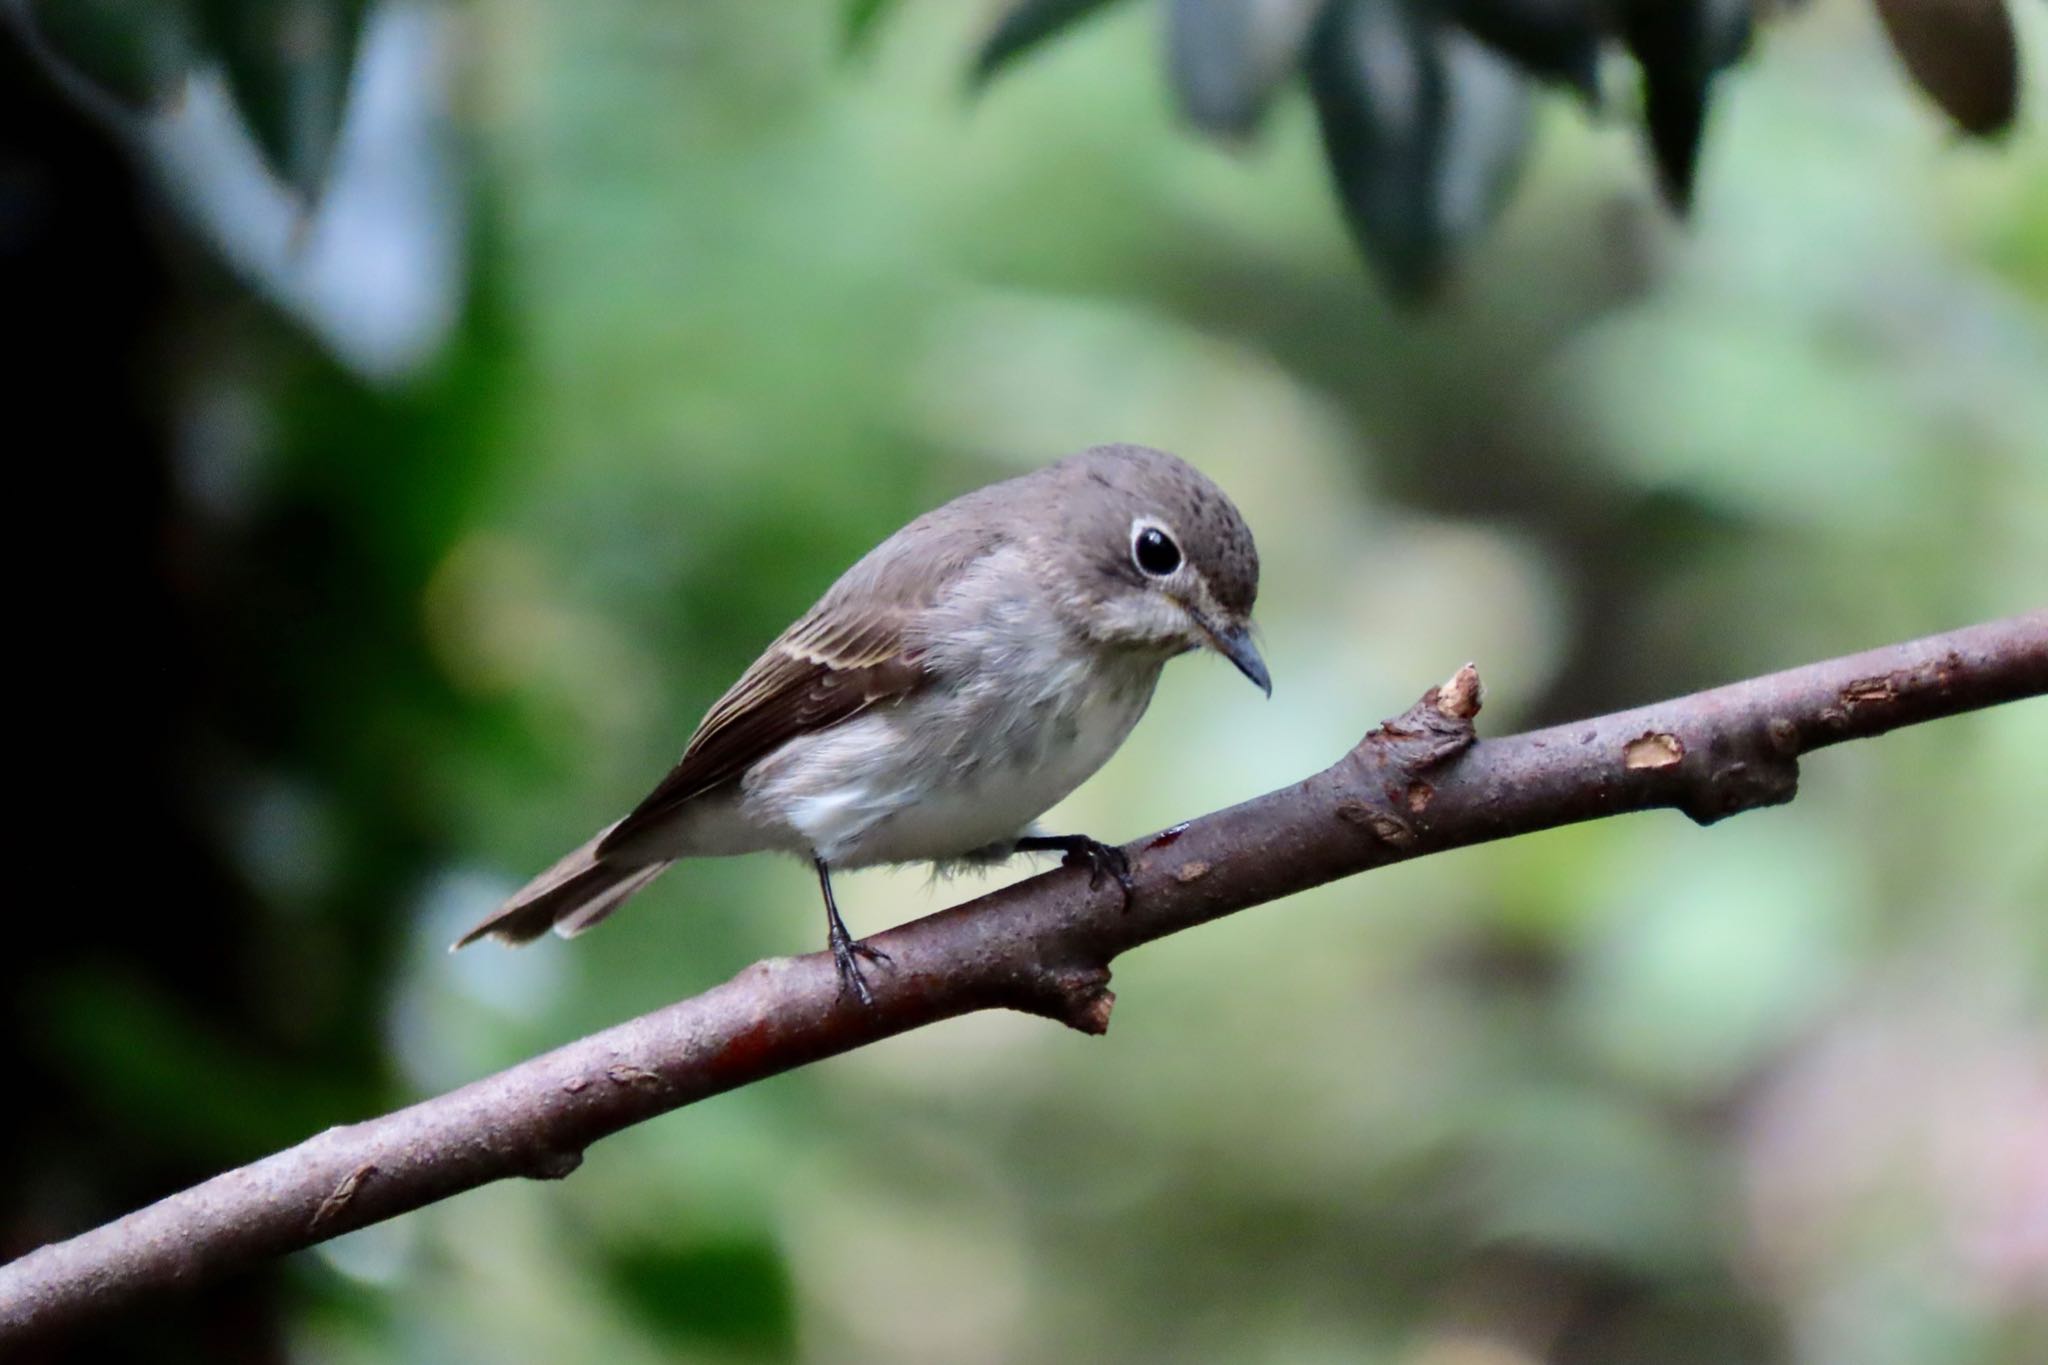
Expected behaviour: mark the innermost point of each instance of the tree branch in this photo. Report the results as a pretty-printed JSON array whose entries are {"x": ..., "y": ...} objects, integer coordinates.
[{"x": 1416, "y": 785}]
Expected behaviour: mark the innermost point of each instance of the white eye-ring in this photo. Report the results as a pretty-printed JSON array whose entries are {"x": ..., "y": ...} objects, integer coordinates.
[{"x": 1153, "y": 550}]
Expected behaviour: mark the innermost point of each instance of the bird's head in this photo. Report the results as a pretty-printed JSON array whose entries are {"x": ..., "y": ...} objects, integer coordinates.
[{"x": 1162, "y": 557}]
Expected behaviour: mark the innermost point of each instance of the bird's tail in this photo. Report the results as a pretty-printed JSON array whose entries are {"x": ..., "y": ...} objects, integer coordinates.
[{"x": 569, "y": 897}]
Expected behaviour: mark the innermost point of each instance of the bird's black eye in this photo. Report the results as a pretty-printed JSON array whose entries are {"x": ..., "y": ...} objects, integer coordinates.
[{"x": 1154, "y": 552}]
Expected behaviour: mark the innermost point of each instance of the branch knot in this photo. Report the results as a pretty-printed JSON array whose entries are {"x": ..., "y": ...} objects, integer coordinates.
[{"x": 1075, "y": 994}]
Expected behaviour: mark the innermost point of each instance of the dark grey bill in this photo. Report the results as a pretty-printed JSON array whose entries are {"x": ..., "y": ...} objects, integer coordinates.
[{"x": 1235, "y": 644}]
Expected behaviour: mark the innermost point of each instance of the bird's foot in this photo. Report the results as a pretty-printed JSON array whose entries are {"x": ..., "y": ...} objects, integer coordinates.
[
  {"x": 1078, "y": 850},
  {"x": 846, "y": 954}
]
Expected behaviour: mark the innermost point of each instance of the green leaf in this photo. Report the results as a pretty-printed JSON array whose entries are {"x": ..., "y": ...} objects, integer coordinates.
[
  {"x": 138, "y": 51},
  {"x": 1557, "y": 40},
  {"x": 1226, "y": 57},
  {"x": 1425, "y": 130},
  {"x": 1023, "y": 26},
  {"x": 859, "y": 22},
  {"x": 1680, "y": 46},
  {"x": 734, "y": 1295},
  {"x": 287, "y": 63},
  {"x": 1963, "y": 54},
  {"x": 141, "y": 1055}
]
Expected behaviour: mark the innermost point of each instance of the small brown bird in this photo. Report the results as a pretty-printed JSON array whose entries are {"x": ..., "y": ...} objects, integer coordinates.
[{"x": 964, "y": 676}]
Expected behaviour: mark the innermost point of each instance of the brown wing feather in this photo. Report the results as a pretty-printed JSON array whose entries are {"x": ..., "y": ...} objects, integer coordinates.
[
  {"x": 855, "y": 649},
  {"x": 799, "y": 686}
]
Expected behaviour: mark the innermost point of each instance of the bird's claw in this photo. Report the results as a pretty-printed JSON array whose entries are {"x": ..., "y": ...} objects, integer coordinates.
[
  {"x": 1078, "y": 850},
  {"x": 846, "y": 954},
  {"x": 1103, "y": 860}
]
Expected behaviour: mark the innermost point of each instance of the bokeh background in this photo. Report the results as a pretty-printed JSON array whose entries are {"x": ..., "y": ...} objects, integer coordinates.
[{"x": 397, "y": 548}]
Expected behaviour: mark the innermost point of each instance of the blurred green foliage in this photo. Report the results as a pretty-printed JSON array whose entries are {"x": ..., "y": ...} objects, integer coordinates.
[
  {"x": 739, "y": 307},
  {"x": 1423, "y": 104}
]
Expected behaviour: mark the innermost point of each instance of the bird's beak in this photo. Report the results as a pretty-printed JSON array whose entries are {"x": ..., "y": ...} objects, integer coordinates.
[{"x": 1235, "y": 644}]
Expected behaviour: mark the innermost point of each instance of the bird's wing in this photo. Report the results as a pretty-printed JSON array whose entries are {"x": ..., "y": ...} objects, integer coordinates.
[{"x": 857, "y": 648}]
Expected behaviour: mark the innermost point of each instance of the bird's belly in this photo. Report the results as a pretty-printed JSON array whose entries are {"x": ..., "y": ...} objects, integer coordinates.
[
  {"x": 948, "y": 779},
  {"x": 981, "y": 809}
]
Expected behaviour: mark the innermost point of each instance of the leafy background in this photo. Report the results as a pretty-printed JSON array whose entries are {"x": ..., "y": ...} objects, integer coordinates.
[{"x": 412, "y": 518}]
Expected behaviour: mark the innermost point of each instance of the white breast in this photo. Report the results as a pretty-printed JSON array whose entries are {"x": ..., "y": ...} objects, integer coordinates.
[
  {"x": 1031, "y": 761},
  {"x": 945, "y": 775}
]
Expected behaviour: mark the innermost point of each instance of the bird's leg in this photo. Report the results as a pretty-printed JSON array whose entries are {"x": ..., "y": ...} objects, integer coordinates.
[
  {"x": 846, "y": 949},
  {"x": 1081, "y": 851}
]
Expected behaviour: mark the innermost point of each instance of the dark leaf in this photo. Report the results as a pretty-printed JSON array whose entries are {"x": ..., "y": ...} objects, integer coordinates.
[
  {"x": 1024, "y": 25},
  {"x": 1424, "y": 128},
  {"x": 1226, "y": 57},
  {"x": 1558, "y": 40},
  {"x": 287, "y": 63},
  {"x": 1379, "y": 95},
  {"x": 1681, "y": 45},
  {"x": 1487, "y": 138},
  {"x": 1962, "y": 53},
  {"x": 138, "y": 51}
]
